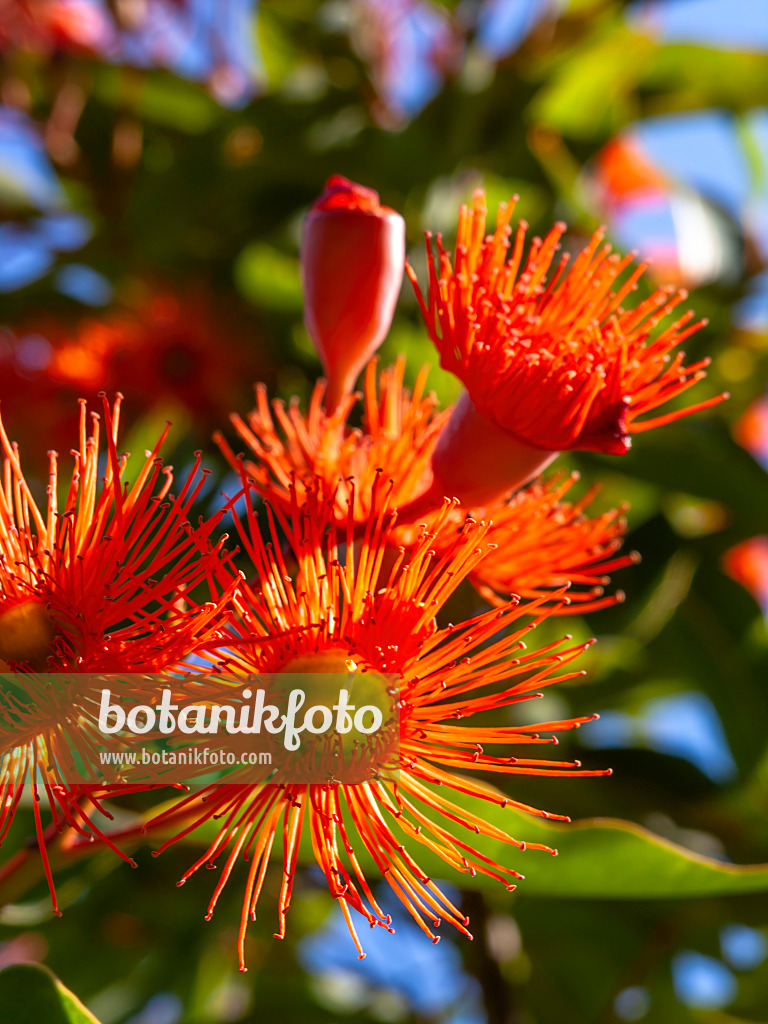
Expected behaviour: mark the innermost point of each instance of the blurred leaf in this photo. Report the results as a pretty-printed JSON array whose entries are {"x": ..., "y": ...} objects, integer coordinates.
[
  {"x": 617, "y": 488},
  {"x": 706, "y": 643},
  {"x": 602, "y": 858},
  {"x": 31, "y": 994},
  {"x": 162, "y": 98},
  {"x": 178, "y": 104},
  {"x": 268, "y": 277},
  {"x": 145, "y": 432},
  {"x": 705, "y": 76},
  {"x": 675, "y": 459},
  {"x": 589, "y": 93},
  {"x": 413, "y": 342},
  {"x": 579, "y": 6},
  {"x": 278, "y": 54}
]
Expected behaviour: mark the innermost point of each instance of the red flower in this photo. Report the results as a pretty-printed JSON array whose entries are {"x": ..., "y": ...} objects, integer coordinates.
[
  {"x": 48, "y": 25},
  {"x": 169, "y": 352},
  {"x": 105, "y": 583},
  {"x": 166, "y": 349},
  {"x": 318, "y": 449},
  {"x": 751, "y": 428},
  {"x": 549, "y": 363},
  {"x": 341, "y": 611},
  {"x": 537, "y": 541},
  {"x": 624, "y": 173},
  {"x": 747, "y": 563},
  {"x": 542, "y": 542},
  {"x": 352, "y": 261}
]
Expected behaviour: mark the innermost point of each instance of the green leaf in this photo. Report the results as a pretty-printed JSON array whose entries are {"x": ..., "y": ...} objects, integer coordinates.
[
  {"x": 162, "y": 99},
  {"x": 673, "y": 459},
  {"x": 31, "y": 994},
  {"x": 591, "y": 92},
  {"x": 268, "y": 277},
  {"x": 700, "y": 76},
  {"x": 275, "y": 47},
  {"x": 599, "y": 858}
]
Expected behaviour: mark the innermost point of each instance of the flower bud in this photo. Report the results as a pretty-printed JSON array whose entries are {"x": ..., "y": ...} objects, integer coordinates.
[{"x": 352, "y": 261}]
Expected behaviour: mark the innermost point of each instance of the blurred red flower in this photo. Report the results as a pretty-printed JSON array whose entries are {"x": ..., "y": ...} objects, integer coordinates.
[
  {"x": 747, "y": 563},
  {"x": 170, "y": 351},
  {"x": 624, "y": 173},
  {"x": 44, "y": 26},
  {"x": 751, "y": 429}
]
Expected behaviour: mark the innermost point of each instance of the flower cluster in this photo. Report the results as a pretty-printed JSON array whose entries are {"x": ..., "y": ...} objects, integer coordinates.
[{"x": 368, "y": 535}]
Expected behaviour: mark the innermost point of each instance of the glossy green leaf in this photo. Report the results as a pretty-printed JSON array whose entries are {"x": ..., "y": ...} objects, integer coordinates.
[
  {"x": 31, "y": 994},
  {"x": 603, "y": 858},
  {"x": 597, "y": 858}
]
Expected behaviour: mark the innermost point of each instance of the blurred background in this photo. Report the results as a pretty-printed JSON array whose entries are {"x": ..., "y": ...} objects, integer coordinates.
[{"x": 156, "y": 159}]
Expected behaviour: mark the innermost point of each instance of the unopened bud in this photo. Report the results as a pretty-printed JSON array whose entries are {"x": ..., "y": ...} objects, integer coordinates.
[{"x": 352, "y": 261}]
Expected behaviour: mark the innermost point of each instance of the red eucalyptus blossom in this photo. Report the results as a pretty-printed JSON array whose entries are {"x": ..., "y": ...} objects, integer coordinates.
[
  {"x": 550, "y": 356},
  {"x": 341, "y": 611},
  {"x": 106, "y": 582}
]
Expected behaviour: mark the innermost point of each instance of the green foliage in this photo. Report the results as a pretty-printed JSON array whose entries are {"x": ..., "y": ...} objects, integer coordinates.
[
  {"x": 269, "y": 278},
  {"x": 30, "y": 994},
  {"x": 607, "y": 859}
]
